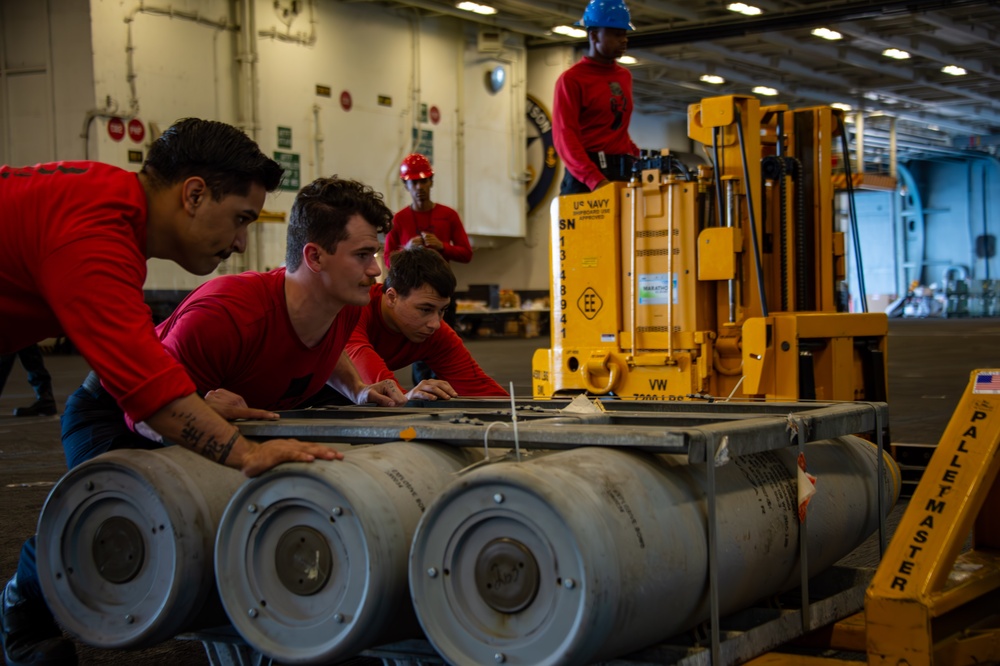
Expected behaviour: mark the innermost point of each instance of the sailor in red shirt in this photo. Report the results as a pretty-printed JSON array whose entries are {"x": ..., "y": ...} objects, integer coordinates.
[
  {"x": 267, "y": 340},
  {"x": 403, "y": 323},
  {"x": 425, "y": 223},
  {"x": 592, "y": 106},
  {"x": 74, "y": 240}
]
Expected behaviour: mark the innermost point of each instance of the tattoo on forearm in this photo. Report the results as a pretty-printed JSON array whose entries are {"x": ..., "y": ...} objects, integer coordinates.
[
  {"x": 228, "y": 447},
  {"x": 190, "y": 434},
  {"x": 192, "y": 437}
]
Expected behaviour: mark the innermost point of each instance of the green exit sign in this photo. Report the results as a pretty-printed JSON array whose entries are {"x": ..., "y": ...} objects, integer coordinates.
[
  {"x": 284, "y": 137},
  {"x": 292, "y": 178}
]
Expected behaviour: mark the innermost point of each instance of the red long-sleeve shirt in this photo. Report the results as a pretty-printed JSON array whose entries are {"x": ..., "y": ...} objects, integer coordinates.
[
  {"x": 591, "y": 113},
  {"x": 441, "y": 221},
  {"x": 374, "y": 348},
  {"x": 73, "y": 262}
]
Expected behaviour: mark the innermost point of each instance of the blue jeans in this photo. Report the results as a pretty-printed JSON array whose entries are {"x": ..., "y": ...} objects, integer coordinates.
[
  {"x": 33, "y": 364},
  {"x": 93, "y": 424}
]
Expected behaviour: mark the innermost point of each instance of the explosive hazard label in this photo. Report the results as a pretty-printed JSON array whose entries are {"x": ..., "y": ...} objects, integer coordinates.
[{"x": 987, "y": 382}]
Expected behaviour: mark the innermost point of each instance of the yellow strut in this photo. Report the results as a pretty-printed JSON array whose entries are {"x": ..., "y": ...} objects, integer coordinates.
[{"x": 928, "y": 603}]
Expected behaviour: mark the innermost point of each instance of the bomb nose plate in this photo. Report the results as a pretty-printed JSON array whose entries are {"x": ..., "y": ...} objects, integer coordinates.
[
  {"x": 118, "y": 550},
  {"x": 303, "y": 560},
  {"x": 506, "y": 575}
]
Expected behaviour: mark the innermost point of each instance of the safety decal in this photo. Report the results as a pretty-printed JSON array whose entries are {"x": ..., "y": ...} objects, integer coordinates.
[
  {"x": 656, "y": 288},
  {"x": 590, "y": 303},
  {"x": 987, "y": 382}
]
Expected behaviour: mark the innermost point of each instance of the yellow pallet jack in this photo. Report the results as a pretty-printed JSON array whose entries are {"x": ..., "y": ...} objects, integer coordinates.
[{"x": 931, "y": 601}]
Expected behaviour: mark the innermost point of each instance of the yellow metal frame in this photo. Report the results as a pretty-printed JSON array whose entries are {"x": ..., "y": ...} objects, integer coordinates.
[{"x": 929, "y": 604}]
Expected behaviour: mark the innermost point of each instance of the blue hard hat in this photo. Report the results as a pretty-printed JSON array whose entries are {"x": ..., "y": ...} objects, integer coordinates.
[{"x": 606, "y": 14}]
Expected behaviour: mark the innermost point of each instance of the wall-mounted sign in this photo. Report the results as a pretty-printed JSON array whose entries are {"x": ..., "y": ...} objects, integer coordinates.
[
  {"x": 116, "y": 129},
  {"x": 423, "y": 140},
  {"x": 423, "y": 113},
  {"x": 292, "y": 179},
  {"x": 345, "y": 101},
  {"x": 284, "y": 137},
  {"x": 435, "y": 115},
  {"x": 323, "y": 91},
  {"x": 135, "y": 157},
  {"x": 384, "y": 100},
  {"x": 136, "y": 130},
  {"x": 541, "y": 153}
]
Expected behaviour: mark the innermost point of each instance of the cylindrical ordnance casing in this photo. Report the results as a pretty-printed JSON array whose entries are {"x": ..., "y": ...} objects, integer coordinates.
[
  {"x": 593, "y": 553},
  {"x": 312, "y": 558},
  {"x": 125, "y": 545}
]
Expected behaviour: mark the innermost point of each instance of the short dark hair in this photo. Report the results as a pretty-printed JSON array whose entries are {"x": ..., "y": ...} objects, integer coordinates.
[
  {"x": 321, "y": 211},
  {"x": 411, "y": 268},
  {"x": 227, "y": 159}
]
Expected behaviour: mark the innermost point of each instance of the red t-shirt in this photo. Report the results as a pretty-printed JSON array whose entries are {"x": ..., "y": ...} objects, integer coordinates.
[
  {"x": 73, "y": 262},
  {"x": 374, "y": 348},
  {"x": 441, "y": 221},
  {"x": 234, "y": 333},
  {"x": 591, "y": 112}
]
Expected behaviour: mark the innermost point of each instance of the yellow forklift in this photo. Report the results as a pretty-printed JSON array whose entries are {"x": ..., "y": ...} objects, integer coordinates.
[{"x": 715, "y": 281}]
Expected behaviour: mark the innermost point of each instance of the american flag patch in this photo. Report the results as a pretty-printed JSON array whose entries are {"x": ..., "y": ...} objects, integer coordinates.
[{"x": 987, "y": 382}]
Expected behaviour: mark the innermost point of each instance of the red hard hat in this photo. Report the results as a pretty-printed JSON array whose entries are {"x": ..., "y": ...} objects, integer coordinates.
[{"x": 415, "y": 167}]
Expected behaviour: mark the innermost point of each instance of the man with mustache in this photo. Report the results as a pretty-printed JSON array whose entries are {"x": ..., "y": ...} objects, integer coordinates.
[
  {"x": 593, "y": 104},
  {"x": 404, "y": 323},
  {"x": 74, "y": 240}
]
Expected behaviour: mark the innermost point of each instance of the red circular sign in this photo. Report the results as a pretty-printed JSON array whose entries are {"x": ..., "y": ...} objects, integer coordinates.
[
  {"x": 116, "y": 129},
  {"x": 136, "y": 130},
  {"x": 345, "y": 101},
  {"x": 435, "y": 115}
]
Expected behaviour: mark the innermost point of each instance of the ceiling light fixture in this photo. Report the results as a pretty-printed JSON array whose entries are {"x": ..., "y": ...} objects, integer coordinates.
[
  {"x": 476, "y": 8},
  {"x": 896, "y": 53},
  {"x": 842, "y": 106},
  {"x": 743, "y": 8},
  {"x": 954, "y": 70},
  {"x": 627, "y": 60},
  {"x": 826, "y": 33},
  {"x": 764, "y": 90},
  {"x": 569, "y": 31},
  {"x": 712, "y": 78}
]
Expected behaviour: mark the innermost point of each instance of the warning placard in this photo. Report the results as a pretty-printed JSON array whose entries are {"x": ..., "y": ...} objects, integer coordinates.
[{"x": 590, "y": 303}]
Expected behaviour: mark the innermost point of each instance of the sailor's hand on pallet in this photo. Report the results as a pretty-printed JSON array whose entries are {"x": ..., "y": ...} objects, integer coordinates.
[
  {"x": 384, "y": 394},
  {"x": 432, "y": 389},
  {"x": 232, "y": 406}
]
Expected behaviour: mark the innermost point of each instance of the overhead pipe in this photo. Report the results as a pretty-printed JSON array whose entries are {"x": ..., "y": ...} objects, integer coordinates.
[
  {"x": 493, "y": 21},
  {"x": 169, "y": 12},
  {"x": 298, "y": 38},
  {"x": 111, "y": 110},
  {"x": 777, "y": 21}
]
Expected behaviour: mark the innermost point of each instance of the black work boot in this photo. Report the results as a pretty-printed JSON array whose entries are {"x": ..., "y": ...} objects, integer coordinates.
[
  {"x": 44, "y": 406},
  {"x": 29, "y": 634}
]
